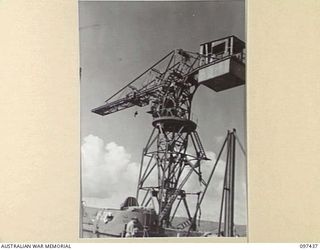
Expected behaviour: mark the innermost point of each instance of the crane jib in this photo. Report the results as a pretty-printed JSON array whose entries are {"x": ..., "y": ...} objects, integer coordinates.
[{"x": 220, "y": 65}]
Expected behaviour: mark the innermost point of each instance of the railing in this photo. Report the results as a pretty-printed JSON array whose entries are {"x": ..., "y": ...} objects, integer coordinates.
[
  {"x": 211, "y": 58},
  {"x": 174, "y": 112}
]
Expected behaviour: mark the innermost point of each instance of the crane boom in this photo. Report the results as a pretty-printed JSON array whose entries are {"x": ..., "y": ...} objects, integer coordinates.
[
  {"x": 136, "y": 98},
  {"x": 153, "y": 83}
]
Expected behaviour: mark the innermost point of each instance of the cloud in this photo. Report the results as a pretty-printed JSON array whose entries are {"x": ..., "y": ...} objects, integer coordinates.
[
  {"x": 107, "y": 172},
  {"x": 109, "y": 176}
]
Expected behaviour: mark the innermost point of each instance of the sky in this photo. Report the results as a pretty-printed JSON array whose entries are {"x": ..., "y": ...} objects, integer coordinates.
[{"x": 118, "y": 41}]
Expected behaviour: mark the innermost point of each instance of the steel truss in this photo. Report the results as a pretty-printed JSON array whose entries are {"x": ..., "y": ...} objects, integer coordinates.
[{"x": 167, "y": 157}]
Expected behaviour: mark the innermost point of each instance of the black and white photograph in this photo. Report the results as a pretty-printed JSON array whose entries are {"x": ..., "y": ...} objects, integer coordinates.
[{"x": 163, "y": 119}]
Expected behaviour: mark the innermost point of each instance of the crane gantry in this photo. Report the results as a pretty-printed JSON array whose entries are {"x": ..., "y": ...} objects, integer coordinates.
[{"x": 174, "y": 150}]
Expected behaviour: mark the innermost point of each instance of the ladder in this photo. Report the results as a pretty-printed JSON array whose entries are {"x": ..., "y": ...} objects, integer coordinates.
[
  {"x": 184, "y": 224},
  {"x": 168, "y": 206}
]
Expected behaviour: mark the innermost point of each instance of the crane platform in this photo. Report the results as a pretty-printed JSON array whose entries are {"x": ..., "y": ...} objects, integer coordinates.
[
  {"x": 172, "y": 124},
  {"x": 222, "y": 75}
]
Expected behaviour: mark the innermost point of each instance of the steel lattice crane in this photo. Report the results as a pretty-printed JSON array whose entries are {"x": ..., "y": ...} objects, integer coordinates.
[{"x": 174, "y": 150}]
